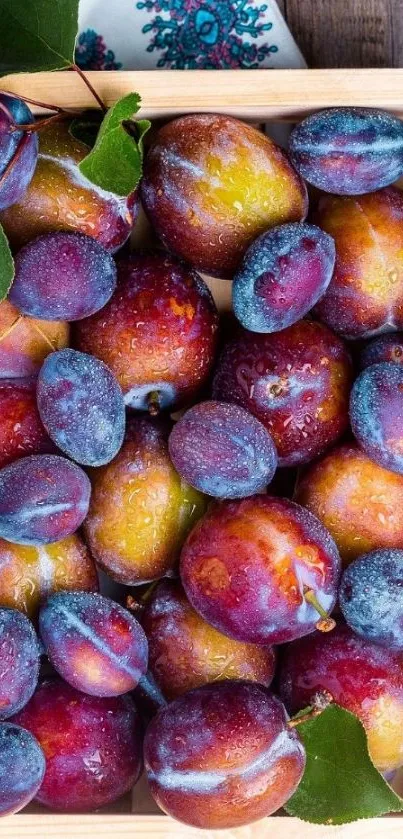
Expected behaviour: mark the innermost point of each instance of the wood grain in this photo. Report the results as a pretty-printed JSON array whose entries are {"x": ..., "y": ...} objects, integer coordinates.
[
  {"x": 347, "y": 33},
  {"x": 158, "y": 827},
  {"x": 258, "y": 95}
]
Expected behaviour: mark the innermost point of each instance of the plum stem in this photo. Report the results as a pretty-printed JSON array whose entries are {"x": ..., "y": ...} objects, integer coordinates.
[
  {"x": 321, "y": 701},
  {"x": 90, "y": 87},
  {"x": 34, "y": 127},
  {"x": 33, "y": 101},
  {"x": 153, "y": 403},
  {"x": 138, "y": 605},
  {"x": 325, "y": 623}
]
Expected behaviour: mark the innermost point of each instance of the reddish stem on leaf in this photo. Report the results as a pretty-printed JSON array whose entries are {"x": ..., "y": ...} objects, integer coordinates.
[
  {"x": 34, "y": 127},
  {"x": 90, "y": 87},
  {"x": 320, "y": 701},
  {"x": 33, "y": 101}
]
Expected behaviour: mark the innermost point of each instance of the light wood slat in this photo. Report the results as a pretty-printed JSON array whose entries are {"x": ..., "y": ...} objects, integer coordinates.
[
  {"x": 158, "y": 827},
  {"x": 251, "y": 94}
]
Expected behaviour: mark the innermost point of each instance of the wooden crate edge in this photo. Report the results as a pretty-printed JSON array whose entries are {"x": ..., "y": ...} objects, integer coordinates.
[
  {"x": 249, "y": 94},
  {"x": 160, "y": 827}
]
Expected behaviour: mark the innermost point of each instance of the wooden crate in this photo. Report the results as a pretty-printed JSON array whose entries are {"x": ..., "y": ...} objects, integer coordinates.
[{"x": 257, "y": 95}]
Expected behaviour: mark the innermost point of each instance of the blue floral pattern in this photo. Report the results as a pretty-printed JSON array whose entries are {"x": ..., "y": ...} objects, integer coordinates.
[
  {"x": 93, "y": 54},
  {"x": 207, "y": 34}
]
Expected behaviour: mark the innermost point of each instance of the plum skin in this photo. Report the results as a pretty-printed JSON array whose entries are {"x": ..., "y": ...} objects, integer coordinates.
[
  {"x": 18, "y": 150},
  {"x": 222, "y": 450},
  {"x": 296, "y": 382},
  {"x": 22, "y": 768},
  {"x": 358, "y": 501},
  {"x": 348, "y": 151},
  {"x": 185, "y": 652},
  {"x": 376, "y": 414},
  {"x": 93, "y": 643},
  {"x": 140, "y": 510},
  {"x": 211, "y": 184},
  {"x": 19, "y": 661},
  {"x": 365, "y": 295},
  {"x": 29, "y": 574},
  {"x": 371, "y": 597},
  {"x": 92, "y": 746},
  {"x": 43, "y": 498},
  {"x": 63, "y": 275},
  {"x": 81, "y": 406},
  {"x": 158, "y": 333},
  {"x": 21, "y": 430},
  {"x": 283, "y": 274},
  {"x": 387, "y": 347},
  {"x": 361, "y": 676},
  {"x": 59, "y": 197},
  {"x": 247, "y": 566},
  {"x": 205, "y": 772}
]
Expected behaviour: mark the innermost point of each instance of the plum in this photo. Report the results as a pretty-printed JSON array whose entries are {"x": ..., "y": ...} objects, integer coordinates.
[
  {"x": 93, "y": 643},
  {"x": 359, "y": 502},
  {"x": 18, "y": 150},
  {"x": 371, "y": 597},
  {"x": 92, "y": 746},
  {"x": 365, "y": 295},
  {"x": 387, "y": 347},
  {"x": 376, "y": 414},
  {"x": 185, "y": 652},
  {"x": 22, "y": 768},
  {"x": 141, "y": 510},
  {"x": 21, "y": 430},
  {"x": 19, "y": 661},
  {"x": 362, "y": 677},
  {"x": 158, "y": 333},
  {"x": 283, "y": 274},
  {"x": 348, "y": 151},
  {"x": 222, "y": 450},
  {"x": 43, "y": 498},
  {"x": 64, "y": 275},
  {"x": 81, "y": 406},
  {"x": 212, "y": 184},
  {"x": 296, "y": 382},
  {"x": 262, "y": 570},
  {"x": 29, "y": 574},
  {"x": 25, "y": 342},
  {"x": 222, "y": 756},
  {"x": 59, "y": 197}
]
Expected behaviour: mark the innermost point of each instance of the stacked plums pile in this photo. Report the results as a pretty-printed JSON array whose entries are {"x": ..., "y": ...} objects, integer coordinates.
[{"x": 97, "y": 354}]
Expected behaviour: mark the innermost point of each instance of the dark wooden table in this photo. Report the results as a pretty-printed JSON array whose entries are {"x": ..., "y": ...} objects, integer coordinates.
[{"x": 347, "y": 33}]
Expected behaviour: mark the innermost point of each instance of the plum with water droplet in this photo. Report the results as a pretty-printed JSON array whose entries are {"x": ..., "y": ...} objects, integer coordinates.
[
  {"x": 223, "y": 756},
  {"x": 262, "y": 570},
  {"x": 296, "y": 382},
  {"x": 212, "y": 184},
  {"x": 96, "y": 645},
  {"x": 158, "y": 333},
  {"x": 92, "y": 746},
  {"x": 59, "y": 197},
  {"x": 141, "y": 510},
  {"x": 186, "y": 652}
]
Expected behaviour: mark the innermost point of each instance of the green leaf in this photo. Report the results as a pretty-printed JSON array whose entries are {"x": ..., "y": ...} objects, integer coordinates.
[
  {"x": 6, "y": 265},
  {"x": 340, "y": 783},
  {"x": 115, "y": 162},
  {"x": 37, "y": 34}
]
